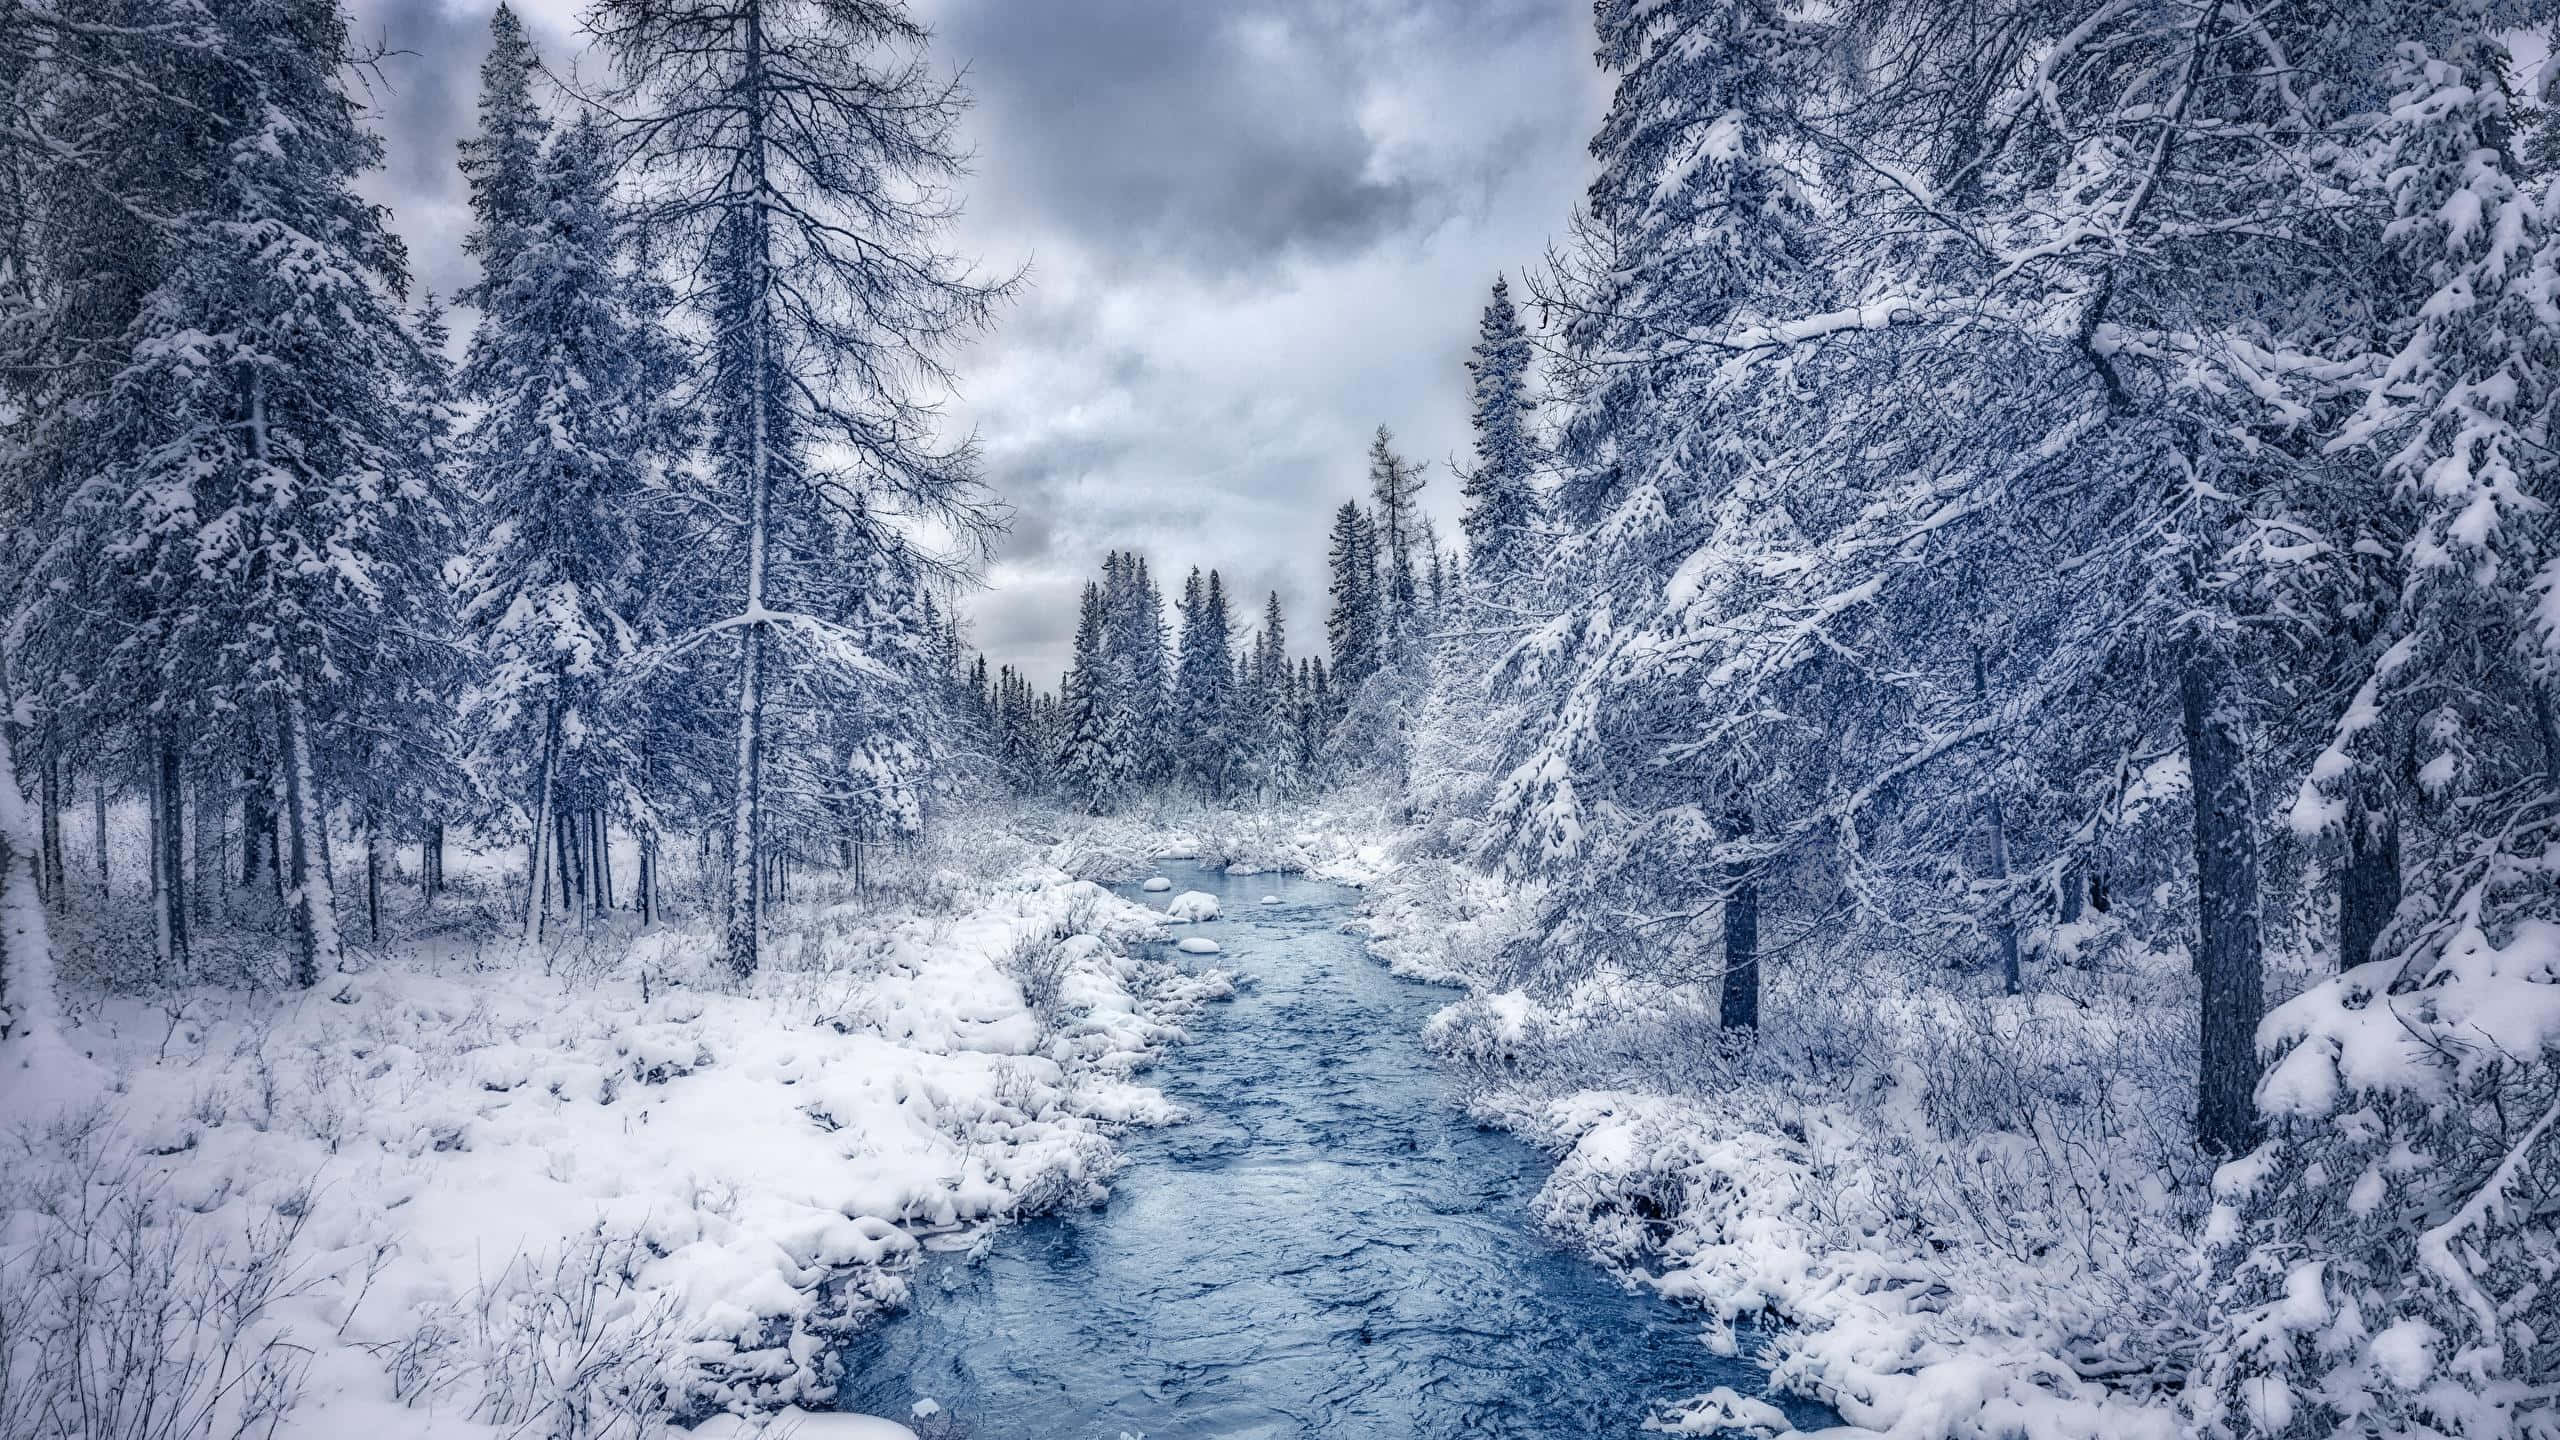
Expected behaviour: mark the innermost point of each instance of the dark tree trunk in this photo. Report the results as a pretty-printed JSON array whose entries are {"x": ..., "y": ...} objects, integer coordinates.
[
  {"x": 257, "y": 835},
  {"x": 2368, "y": 885},
  {"x": 2229, "y": 966},
  {"x": 206, "y": 876},
  {"x": 604, "y": 863},
  {"x": 1739, "y": 1005},
  {"x": 50, "y": 871},
  {"x": 169, "y": 859},
  {"x": 431, "y": 862},
  {"x": 297, "y": 857},
  {"x": 106, "y": 871},
  {"x": 564, "y": 836},
  {"x": 2070, "y": 896},
  {"x": 372, "y": 879}
]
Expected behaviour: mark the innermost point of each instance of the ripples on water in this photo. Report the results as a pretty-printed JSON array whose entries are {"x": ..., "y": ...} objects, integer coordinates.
[{"x": 1328, "y": 1248}]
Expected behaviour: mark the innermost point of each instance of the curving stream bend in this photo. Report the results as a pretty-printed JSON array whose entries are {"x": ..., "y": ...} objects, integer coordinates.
[{"x": 1329, "y": 1247}]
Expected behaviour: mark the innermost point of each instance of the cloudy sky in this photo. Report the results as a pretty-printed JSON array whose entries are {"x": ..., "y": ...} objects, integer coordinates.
[{"x": 1254, "y": 229}]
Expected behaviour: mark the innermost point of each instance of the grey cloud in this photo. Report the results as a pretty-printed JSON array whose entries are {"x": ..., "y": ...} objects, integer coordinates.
[{"x": 1217, "y": 136}]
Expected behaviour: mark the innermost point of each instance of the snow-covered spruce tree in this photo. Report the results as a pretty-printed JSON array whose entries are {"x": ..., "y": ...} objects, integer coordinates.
[
  {"x": 1095, "y": 766},
  {"x": 549, "y": 587},
  {"x": 1271, "y": 751},
  {"x": 502, "y": 160},
  {"x": 792, "y": 158},
  {"x": 1504, "y": 509},
  {"x": 1466, "y": 730},
  {"x": 1206, "y": 702},
  {"x": 261, "y": 497},
  {"x": 1698, "y": 220},
  {"x": 1395, "y": 493},
  {"x": 102, "y": 140},
  {"x": 2392, "y": 1243},
  {"x": 1134, "y": 643},
  {"x": 1353, "y": 628}
]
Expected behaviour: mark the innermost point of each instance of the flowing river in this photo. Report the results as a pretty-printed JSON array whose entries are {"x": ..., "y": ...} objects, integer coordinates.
[{"x": 1328, "y": 1247}]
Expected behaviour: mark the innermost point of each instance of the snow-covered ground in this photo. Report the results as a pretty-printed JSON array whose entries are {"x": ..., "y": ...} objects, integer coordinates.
[
  {"x": 478, "y": 1189},
  {"x": 1952, "y": 1213}
]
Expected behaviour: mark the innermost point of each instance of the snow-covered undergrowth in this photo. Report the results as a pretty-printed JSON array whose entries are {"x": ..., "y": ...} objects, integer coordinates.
[
  {"x": 577, "y": 1191},
  {"x": 1956, "y": 1213},
  {"x": 1336, "y": 840}
]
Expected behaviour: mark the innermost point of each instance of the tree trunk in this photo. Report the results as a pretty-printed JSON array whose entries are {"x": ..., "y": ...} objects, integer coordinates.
[
  {"x": 431, "y": 863},
  {"x": 257, "y": 832},
  {"x": 2368, "y": 884},
  {"x": 2229, "y": 966},
  {"x": 604, "y": 861},
  {"x": 50, "y": 871},
  {"x": 106, "y": 871},
  {"x": 311, "y": 895},
  {"x": 537, "y": 879},
  {"x": 1739, "y": 1005},
  {"x": 26, "y": 949},
  {"x": 169, "y": 859},
  {"x": 646, "y": 895},
  {"x": 744, "y": 922},
  {"x": 205, "y": 878},
  {"x": 372, "y": 878}
]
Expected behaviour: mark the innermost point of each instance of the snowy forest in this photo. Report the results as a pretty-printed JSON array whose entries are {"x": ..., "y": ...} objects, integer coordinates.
[{"x": 1970, "y": 804}]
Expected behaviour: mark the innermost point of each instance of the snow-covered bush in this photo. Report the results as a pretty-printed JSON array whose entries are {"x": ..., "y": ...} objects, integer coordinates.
[
  {"x": 563, "y": 1345},
  {"x": 1040, "y": 963},
  {"x": 2392, "y": 1249},
  {"x": 128, "y": 1315}
]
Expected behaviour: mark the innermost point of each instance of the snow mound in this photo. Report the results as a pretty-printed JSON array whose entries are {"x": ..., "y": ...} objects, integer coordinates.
[
  {"x": 1198, "y": 945},
  {"x": 1157, "y": 883},
  {"x": 1192, "y": 905},
  {"x": 1270, "y": 899}
]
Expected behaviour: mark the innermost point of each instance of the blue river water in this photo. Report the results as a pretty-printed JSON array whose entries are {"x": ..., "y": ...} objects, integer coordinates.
[{"x": 1327, "y": 1248}]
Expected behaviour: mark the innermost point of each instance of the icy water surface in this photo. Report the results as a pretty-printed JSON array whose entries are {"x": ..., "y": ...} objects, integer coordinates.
[{"x": 1328, "y": 1248}]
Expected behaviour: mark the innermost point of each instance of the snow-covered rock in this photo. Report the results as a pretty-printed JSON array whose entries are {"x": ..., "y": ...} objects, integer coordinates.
[
  {"x": 1270, "y": 899},
  {"x": 1192, "y": 905},
  {"x": 1157, "y": 883},
  {"x": 1197, "y": 945}
]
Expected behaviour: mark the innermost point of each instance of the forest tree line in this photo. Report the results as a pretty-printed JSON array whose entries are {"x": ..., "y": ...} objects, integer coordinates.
[
  {"x": 658, "y": 553},
  {"x": 2008, "y": 480}
]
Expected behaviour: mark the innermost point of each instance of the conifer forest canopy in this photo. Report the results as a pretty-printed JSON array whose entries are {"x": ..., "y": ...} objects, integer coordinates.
[{"x": 693, "y": 695}]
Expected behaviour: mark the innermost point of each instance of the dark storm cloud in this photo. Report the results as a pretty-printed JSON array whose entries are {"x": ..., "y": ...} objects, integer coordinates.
[
  {"x": 1213, "y": 135},
  {"x": 1254, "y": 230}
]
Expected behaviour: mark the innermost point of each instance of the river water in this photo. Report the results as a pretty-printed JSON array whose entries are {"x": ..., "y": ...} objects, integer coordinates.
[{"x": 1329, "y": 1247}]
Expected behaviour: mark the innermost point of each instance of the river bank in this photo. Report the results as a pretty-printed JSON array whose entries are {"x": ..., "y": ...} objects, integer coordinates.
[
  {"x": 1963, "y": 1215},
  {"x": 585, "y": 1188}
]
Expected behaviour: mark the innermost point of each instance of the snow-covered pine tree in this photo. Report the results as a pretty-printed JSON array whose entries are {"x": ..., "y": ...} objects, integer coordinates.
[
  {"x": 550, "y": 587},
  {"x": 1094, "y": 764},
  {"x": 263, "y": 492},
  {"x": 2369, "y": 1293},
  {"x": 1395, "y": 493},
  {"x": 502, "y": 159},
  {"x": 103, "y": 141},
  {"x": 1503, "y": 511},
  {"x": 1353, "y": 626},
  {"x": 1204, "y": 684},
  {"x": 793, "y": 157}
]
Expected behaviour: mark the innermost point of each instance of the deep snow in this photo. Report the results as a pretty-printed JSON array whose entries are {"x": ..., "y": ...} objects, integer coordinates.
[{"x": 598, "y": 1175}]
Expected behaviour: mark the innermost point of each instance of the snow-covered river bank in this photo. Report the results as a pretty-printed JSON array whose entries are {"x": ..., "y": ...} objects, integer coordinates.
[{"x": 1328, "y": 1247}]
